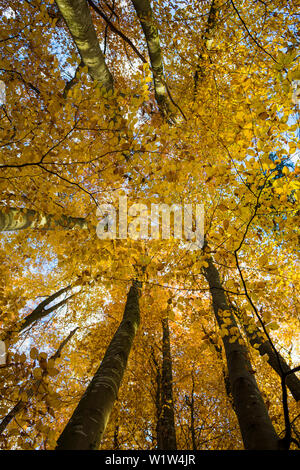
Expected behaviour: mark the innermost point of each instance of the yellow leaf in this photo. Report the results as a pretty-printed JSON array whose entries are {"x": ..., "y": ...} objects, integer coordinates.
[
  {"x": 53, "y": 372},
  {"x": 37, "y": 373},
  {"x": 34, "y": 353}
]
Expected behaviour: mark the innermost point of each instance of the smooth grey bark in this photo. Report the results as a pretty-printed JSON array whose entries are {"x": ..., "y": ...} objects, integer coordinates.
[
  {"x": 85, "y": 429},
  {"x": 167, "y": 434},
  {"x": 77, "y": 16},
  {"x": 12, "y": 218},
  {"x": 255, "y": 424},
  {"x": 147, "y": 20},
  {"x": 21, "y": 405}
]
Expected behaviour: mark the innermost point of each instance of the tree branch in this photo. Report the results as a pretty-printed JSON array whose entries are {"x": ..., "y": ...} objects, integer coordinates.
[{"x": 117, "y": 31}]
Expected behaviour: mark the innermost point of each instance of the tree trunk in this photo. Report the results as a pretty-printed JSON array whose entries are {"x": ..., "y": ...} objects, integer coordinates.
[
  {"x": 77, "y": 16},
  {"x": 191, "y": 404},
  {"x": 255, "y": 424},
  {"x": 85, "y": 429},
  {"x": 144, "y": 12},
  {"x": 206, "y": 37},
  {"x": 157, "y": 397},
  {"x": 218, "y": 350},
  {"x": 167, "y": 435},
  {"x": 116, "y": 445},
  {"x": 12, "y": 218}
]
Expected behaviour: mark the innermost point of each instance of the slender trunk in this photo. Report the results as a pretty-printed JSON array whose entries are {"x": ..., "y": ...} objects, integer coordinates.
[
  {"x": 206, "y": 37},
  {"x": 146, "y": 17},
  {"x": 85, "y": 429},
  {"x": 14, "y": 412},
  {"x": 255, "y": 424},
  {"x": 264, "y": 347},
  {"x": 157, "y": 398},
  {"x": 21, "y": 405},
  {"x": 167, "y": 434},
  {"x": 193, "y": 432},
  {"x": 40, "y": 311},
  {"x": 191, "y": 405},
  {"x": 116, "y": 445},
  {"x": 12, "y": 218}
]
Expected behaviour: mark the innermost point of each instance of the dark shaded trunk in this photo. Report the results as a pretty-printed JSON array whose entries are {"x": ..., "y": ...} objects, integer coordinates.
[
  {"x": 85, "y": 429},
  {"x": 14, "y": 412},
  {"x": 116, "y": 445},
  {"x": 218, "y": 350},
  {"x": 255, "y": 424},
  {"x": 157, "y": 397},
  {"x": 166, "y": 427},
  {"x": 192, "y": 427},
  {"x": 191, "y": 404}
]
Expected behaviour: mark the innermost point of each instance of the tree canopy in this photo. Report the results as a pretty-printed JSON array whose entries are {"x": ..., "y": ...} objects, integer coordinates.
[{"x": 138, "y": 342}]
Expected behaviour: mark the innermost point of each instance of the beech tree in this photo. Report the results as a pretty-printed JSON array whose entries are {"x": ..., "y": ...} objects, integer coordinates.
[{"x": 177, "y": 345}]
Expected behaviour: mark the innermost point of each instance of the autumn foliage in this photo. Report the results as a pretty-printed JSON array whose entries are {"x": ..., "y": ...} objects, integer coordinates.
[{"x": 164, "y": 102}]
